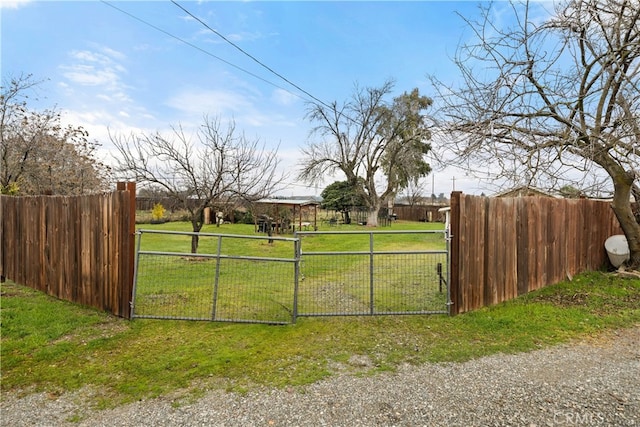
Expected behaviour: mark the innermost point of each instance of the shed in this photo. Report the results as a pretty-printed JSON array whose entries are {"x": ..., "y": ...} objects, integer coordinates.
[{"x": 286, "y": 215}]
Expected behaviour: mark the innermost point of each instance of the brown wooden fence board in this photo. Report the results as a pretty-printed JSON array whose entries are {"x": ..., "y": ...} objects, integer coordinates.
[
  {"x": 491, "y": 255},
  {"x": 478, "y": 211},
  {"x": 78, "y": 249},
  {"x": 510, "y": 247},
  {"x": 537, "y": 251},
  {"x": 552, "y": 217},
  {"x": 502, "y": 248}
]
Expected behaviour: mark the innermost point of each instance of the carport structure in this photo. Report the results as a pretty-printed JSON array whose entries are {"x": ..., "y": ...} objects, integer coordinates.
[{"x": 286, "y": 215}]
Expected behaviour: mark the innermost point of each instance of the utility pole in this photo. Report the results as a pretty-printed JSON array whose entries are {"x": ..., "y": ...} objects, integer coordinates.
[{"x": 433, "y": 188}]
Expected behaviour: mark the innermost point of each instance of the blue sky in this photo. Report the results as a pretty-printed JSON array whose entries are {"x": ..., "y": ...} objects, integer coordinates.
[{"x": 107, "y": 70}]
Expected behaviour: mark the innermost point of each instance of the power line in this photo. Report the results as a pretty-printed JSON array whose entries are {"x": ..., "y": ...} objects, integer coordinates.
[
  {"x": 308, "y": 94},
  {"x": 250, "y": 56},
  {"x": 319, "y": 101},
  {"x": 199, "y": 48}
]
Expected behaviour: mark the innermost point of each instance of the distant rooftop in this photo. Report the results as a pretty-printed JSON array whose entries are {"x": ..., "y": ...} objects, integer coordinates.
[{"x": 291, "y": 201}]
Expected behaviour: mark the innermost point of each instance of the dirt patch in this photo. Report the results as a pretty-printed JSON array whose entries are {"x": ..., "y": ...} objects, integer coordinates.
[
  {"x": 101, "y": 330},
  {"x": 597, "y": 302},
  {"x": 10, "y": 294},
  {"x": 578, "y": 299}
]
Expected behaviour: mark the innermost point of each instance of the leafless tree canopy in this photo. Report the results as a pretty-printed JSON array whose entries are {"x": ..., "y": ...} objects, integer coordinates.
[
  {"x": 218, "y": 166},
  {"x": 550, "y": 96},
  {"x": 379, "y": 146},
  {"x": 37, "y": 154}
]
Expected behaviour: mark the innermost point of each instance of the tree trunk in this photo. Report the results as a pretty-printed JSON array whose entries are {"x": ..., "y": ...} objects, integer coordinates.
[
  {"x": 372, "y": 218},
  {"x": 194, "y": 243},
  {"x": 622, "y": 208},
  {"x": 269, "y": 230},
  {"x": 197, "y": 221},
  {"x": 347, "y": 217}
]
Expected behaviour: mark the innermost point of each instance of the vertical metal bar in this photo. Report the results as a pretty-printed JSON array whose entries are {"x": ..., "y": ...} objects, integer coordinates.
[
  {"x": 135, "y": 275},
  {"x": 447, "y": 235},
  {"x": 296, "y": 279},
  {"x": 217, "y": 280},
  {"x": 371, "y": 304}
]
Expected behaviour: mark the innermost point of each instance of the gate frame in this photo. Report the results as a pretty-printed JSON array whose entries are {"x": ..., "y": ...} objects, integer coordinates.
[
  {"x": 296, "y": 260},
  {"x": 218, "y": 256},
  {"x": 371, "y": 252}
]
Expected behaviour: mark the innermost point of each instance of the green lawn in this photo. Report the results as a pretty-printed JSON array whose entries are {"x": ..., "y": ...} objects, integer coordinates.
[{"x": 55, "y": 346}]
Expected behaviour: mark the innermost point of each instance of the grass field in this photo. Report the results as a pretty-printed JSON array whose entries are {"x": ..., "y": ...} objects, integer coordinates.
[{"x": 55, "y": 346}]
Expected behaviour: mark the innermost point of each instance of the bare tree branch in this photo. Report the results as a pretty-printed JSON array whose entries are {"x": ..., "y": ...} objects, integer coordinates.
[
  {"x": 217, "y": 165},
  {"x": 557, "y": 96},
  {"x": 370, "y": 141}
]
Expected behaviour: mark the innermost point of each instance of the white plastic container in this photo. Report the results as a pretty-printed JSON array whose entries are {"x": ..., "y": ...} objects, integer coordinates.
[{"x": 617, "y": 249}]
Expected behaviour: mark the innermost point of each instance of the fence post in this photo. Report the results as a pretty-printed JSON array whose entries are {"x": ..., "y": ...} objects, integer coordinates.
[
  {"x": 454, "y": 235},
  {"x": 2, "y": 243},
  {"x": 126, "y": 290}
]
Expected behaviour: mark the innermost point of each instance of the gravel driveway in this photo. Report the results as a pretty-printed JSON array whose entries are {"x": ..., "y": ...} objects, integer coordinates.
[{"x": 591, "y": 383}]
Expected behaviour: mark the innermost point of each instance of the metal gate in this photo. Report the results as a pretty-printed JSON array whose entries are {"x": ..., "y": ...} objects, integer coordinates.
[
  {"x": 233, "y": 278},
  {"x": 262, "y": 279},
  {"x": 374, "y": 274}
]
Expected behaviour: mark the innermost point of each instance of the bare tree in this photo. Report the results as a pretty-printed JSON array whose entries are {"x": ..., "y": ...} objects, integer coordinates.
[
  {"x": 40, "y": 156},
  {"x": 379, "y": 146},
  {"x": 552, "y": 96},
  {"x": 220, "y": 166},
  {"x": 414, "y": 193}
]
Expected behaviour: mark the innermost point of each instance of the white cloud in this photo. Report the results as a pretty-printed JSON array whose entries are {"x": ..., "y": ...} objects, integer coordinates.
[
  {"x": 216, "y": 102},
  {"x": 100, "y": 68},
  {"x": 94, "y": 68},
  {"x": 100, "y": 123},
  {"x": 244, "y": 36},
  {"x": 114, "y": 54},
  {"x": 13, "y": 4},
  {"x": 282, "y": 97},
  {"x": 88, "y": 75}
]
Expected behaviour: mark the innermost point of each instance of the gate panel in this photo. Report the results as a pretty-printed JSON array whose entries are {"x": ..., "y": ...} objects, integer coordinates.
[
  {"x": 255, "y": 291},
  {"x": 216, "y": 286},
  {"x": 332, "y": 285},
  {"x": 410, "y": 283},
  {"x": 383, "y": 276},
  {"x": 174, "y": 286}
]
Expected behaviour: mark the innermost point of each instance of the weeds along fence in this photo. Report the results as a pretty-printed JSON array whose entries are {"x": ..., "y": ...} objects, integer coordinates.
[
  {"x": 76, "y": 248},
  {"x": 505, "y": 247},
  {"x": 276, "y": 280}
]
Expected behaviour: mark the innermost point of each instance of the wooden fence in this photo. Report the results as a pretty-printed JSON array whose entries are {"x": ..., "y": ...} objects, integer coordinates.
[
  {"x": 81, "y": 249},
  {"x": 76, "y": 248},
  {"x": 422, "y": 213},
  {"x": 505, "y": 247}
]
